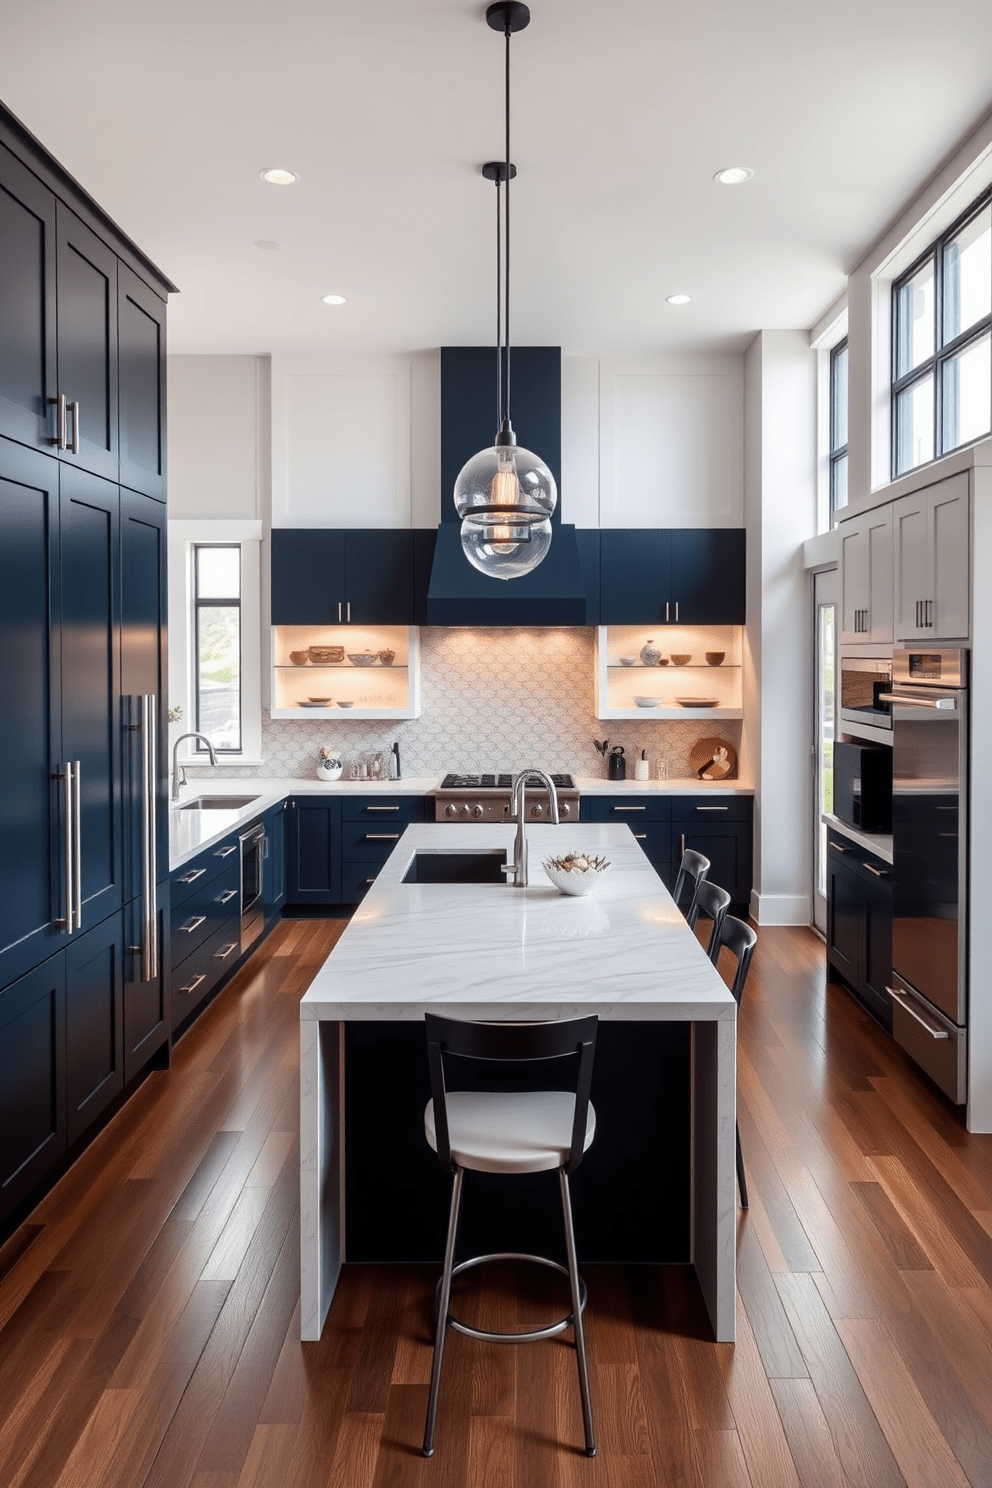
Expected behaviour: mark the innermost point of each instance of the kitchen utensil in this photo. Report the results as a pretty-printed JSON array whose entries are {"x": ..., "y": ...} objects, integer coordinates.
[
  {"x": 628, "y": 661},
  {"x": 682, "y": 659},
  {"x": 714, "y": 658},
  {"x": 396, "y": 756},
  {"x": 617, "y": 763},
  {"x": 698, "y": 702},
  {"x": 299, "y": 658},
  {"x": 579, "y": 873},
  {"x": 650, "y": 654},
  {"x": 641, "y": 767},
  {"x": 326, "y": 655},
  {"x": 712, "y": 758},
  {"x": 647, "y": 702},
  {"x": 363, "y": 658}
]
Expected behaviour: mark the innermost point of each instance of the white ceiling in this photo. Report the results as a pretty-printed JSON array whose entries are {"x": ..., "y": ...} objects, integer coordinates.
[{"x": 622, "y": 112}]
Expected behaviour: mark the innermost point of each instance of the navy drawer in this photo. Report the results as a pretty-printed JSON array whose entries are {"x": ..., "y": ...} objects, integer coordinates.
[
  {"x": 356, "y": 880},
  {"x": 199, "y": 974},
  {"x": 385, "y": 809},
  {"x": 629, "y": 809},
  {"x": 192, "y": 878},
  {"x": 370, "y": 840},
  {"x": 711, "y": 809},
  {"x": 214, "y": 902}
]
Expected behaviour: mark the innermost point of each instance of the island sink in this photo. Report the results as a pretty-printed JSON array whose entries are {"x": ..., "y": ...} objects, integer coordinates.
[{"x": 442, "y": 867}]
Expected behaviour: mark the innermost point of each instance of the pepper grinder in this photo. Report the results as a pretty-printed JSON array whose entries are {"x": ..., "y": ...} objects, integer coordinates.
[{"x": 618, "y": 764}]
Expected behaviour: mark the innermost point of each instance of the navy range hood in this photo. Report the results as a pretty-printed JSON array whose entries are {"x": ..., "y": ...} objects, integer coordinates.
[{"x": 555, "y": 593}]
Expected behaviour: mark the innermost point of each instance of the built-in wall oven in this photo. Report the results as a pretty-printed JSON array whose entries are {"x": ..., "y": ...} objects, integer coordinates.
[
  {"x": 929, "y": 991},
  {"x": 864, "y": 681},
  {"x": 254, "y": 851}
]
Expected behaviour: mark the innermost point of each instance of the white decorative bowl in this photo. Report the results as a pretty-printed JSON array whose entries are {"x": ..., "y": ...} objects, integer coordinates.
[
  {"x": 647, "y": 702},
  {"x": 576, "y": 880}
]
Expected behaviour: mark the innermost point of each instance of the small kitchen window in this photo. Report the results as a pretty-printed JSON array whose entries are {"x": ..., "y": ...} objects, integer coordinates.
[
  {"x": 217, "y": 665},
  {"x": 942, "y": 344},
  {"x": 838, "y": 426}
]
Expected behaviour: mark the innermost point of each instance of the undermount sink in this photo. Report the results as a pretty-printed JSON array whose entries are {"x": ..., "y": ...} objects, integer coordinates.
[
  {"x": 457, "y": 867},
  {"x": 217, "y": 803}
]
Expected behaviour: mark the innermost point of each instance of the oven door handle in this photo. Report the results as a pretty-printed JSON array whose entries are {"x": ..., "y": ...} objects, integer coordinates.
[
  {"x": 902, "y": 998},
  {"x": 945, "y": 704}
]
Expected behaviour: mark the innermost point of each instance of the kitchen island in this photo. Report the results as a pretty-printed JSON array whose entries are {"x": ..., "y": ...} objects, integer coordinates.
[{"x": 490, "y": 951}]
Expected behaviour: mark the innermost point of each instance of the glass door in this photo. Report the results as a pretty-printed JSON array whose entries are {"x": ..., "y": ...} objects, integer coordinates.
[{"x": 826, "y": 600}]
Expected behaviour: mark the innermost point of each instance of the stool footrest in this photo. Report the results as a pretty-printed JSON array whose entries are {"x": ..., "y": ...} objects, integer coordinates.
[{"x": 531, "y": 1335}]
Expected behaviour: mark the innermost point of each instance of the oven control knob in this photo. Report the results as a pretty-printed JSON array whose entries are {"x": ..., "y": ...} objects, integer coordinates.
[
  {"x": 564, "y": 809},
  {"x": 477, "y": 810},
  {"x": 465, "y": 811},
  {"x": 451, "y": 810},
  {"x": 537, "y": 811}
]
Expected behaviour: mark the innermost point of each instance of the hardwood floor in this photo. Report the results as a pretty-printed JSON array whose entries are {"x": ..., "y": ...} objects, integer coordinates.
[{"x": 148, "y": 1310}]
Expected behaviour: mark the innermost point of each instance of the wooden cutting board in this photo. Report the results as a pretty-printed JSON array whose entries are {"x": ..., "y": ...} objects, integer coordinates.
[{"x": 718, "y": 751}]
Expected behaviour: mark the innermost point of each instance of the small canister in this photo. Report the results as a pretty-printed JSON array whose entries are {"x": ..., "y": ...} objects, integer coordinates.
[
  {"x": 617, "y": 763},
  {"x": 642, "y": 768}
]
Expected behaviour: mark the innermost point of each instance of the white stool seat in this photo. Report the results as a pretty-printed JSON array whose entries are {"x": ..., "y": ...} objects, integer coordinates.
[{"x": 510, "y": 1131}]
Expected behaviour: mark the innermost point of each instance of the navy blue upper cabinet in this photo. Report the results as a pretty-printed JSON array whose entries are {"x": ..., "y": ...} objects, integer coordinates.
[
  {"x": 333, "y": 576},
  {"x": 28, "y": 360},
  {"x": 671, "y": 576},
  {"x": 141, "y": 360},
  {"x": 87, "y": 345}
]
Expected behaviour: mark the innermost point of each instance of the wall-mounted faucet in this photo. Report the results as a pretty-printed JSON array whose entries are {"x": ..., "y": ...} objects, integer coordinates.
[
  {"x": 518, "y": 812},
  {"x": 178, "y": 770}
]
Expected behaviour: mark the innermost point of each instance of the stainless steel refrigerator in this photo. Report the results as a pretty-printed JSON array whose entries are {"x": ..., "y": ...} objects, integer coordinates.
[{"x": 929, "y": 990}]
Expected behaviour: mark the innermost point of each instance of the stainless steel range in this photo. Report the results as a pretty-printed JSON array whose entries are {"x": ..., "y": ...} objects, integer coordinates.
[{"x": 487, "y": 798}]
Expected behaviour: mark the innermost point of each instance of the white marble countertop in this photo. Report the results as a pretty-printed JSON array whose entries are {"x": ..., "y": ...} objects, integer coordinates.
[
  {"x": 595, "y": 785},
  {"x": 876, "y": 843},
  {"x": 481, "y": 950}
]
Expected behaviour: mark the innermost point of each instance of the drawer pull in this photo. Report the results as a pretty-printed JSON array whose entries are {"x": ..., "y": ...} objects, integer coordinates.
[
  {"x": 629, "y": 808},
  {"x": 640, "y": 836},
  {"x": 903, "y": 1000},
  {"x": 382, "y": 837},
  {"x": 225, "y": 852},
  {"x": 226, "y": 898},
  {"x": 194, "y": 983},
  {"x": 225, "y": 951},
  {"x": 193, "y": 875},
  {"x": 194, "y": 924},
  {"x": 878, "y": 872},
  {"x": 382, "y": 808},
  {"x": 712, "y": 808},
  {"x": 369, "y": 881},
  {"x": 836, "y": 847}
]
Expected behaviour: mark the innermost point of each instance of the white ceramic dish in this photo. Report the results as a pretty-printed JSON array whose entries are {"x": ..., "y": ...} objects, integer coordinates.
[
  {"x": 576, "y": 880},
  {"x": 647, "y": 702},
  {"x": 628, "y": 661},
  {"x": 312, "y": 704},
  {"x": 343, "y": 704}
]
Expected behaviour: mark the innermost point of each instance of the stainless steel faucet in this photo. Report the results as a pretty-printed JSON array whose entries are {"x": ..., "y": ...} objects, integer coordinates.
[
  {"x": 518, "y": 812},
  {"x": 178, "y": 770}
]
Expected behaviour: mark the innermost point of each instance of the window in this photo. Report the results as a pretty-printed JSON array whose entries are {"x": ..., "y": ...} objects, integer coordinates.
[
  {"x": 942, "y": 344},
  {"x": 217, "y": 645},
  {"x": 838, "y": 426}
]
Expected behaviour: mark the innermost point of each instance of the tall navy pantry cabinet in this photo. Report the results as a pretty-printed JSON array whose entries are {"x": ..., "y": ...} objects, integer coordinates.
[{"x": 82, "y": 646}]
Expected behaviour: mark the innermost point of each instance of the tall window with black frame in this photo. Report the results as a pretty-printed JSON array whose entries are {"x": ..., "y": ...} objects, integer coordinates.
[
  {"x": 217, "y": 644},
  {"x": 838, "y": 427}
]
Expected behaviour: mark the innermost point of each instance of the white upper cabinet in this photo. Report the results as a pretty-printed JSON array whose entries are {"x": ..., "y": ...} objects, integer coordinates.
[
  {"x": 932, "y": 559},
  {"x": 341, "y": 442},
  {"x": 866, "y": 577}
]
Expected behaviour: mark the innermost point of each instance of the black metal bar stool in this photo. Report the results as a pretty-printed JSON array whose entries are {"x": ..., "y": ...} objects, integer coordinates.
[
  {"x": 692, "y": 869},
  {"x": 712, "y": 901},
  {"x": 529, "y": 1131}
]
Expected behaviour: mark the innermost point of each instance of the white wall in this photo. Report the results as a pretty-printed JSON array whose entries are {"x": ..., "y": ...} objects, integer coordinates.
[
  {"x": 780, "y": 514},
  {"x": 218, "y": 436}
]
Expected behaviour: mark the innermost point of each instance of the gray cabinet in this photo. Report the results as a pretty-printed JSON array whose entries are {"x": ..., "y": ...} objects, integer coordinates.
[
  {"x": 866, "y": 577},
  {"x": 932, "y": 562}
]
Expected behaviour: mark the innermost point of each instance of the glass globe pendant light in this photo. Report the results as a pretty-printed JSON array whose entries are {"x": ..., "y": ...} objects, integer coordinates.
[{"x": 505, "y": 494}]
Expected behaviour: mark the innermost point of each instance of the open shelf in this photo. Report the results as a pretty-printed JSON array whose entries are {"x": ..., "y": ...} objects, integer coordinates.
[
  {"x": 616, "y": 685},
  {"x": 381, "y": 691}
]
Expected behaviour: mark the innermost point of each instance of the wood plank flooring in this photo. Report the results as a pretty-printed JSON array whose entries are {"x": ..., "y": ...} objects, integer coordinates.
[{"x": 149, "y": 1308}]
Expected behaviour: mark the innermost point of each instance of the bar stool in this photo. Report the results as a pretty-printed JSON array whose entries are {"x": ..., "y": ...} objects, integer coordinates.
[
  {"x": 740, "y": 940},
  {"x": 712, "y": 901},
  {"x": 692, "y": 869},
  {"x": 530, "y": 1131}
]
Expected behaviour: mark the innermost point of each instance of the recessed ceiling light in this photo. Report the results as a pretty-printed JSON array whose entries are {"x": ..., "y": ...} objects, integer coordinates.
[
  {"x": 334, "y": 299},
  {"x": 678, "y": 299},
  {"x": 276, "y": 175},
  {"x": 733, "y": 175},
  {"x": 266, "y": 244}
]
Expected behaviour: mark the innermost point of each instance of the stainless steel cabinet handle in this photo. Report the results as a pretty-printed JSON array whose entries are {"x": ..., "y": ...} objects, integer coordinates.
[
  {"x": 348, "y": 615},
  {"x": 339, "y": 612},
  {"x": 836, "y": 847},
  {"x": 712, "y": 808},
  {"x": 226, "y": 898},
  {"x": 878, "y": 872},
  {"x": 902, "y": 998},
  {"x": 194, "y": 983},
  {"x": 382, "y": 808},
  {"x": 676, "y": 612},
  {"x": 630, "y": 808},
  {"x": 77, "y": 843},
  {"x": 192, "y": 875},
  {"x": 382, "y": 837},
  {"x": 945, "y": 704},
  {"x": 929, "y": 614},
  {"x": 225, "y": 852},
  {"x": 225, "y": 951},
  {"x": 640, "y": 836},
  {"x": 74, "y": 410},
  {"x": 666, "y": 611},
  {"x": 149, "y": 854},
  {"x": 369, "y": 881},
  {"x": 66, "y": 920},
  {"x": 682, "y": 844},
  {"x": 60, "y": 440},
  {"x": 194, "y": 924}
]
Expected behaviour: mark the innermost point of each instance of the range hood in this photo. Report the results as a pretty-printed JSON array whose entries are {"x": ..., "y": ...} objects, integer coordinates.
[{"x": 458, "y": 594}]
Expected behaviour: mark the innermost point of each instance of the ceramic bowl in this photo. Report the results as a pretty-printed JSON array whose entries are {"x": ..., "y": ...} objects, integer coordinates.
[
  {"x": 299, "y": 658},
  {"x": 628, "y": 661},
  {"x": 324, "y": 700},
  {"x": 714, "y": 658},
  {"x": 343, "y": 704},
  {"x": 363, "y": 658},
  {"x": 568, "y": 880},
  {"x": 326, "y": 655},
  {"x": 682, "y": 659},
  {"x": 647, "y": 702}
]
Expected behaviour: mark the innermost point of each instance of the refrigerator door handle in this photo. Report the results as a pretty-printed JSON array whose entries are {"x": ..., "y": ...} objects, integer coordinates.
[{"x": 935, "y": 1032}]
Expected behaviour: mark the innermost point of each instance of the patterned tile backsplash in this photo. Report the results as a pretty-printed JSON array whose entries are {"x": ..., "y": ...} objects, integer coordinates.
[{"x": 493, "y": 700}]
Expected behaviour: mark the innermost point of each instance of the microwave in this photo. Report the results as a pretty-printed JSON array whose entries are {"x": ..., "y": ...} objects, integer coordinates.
[{"x": 863, "y": 680}]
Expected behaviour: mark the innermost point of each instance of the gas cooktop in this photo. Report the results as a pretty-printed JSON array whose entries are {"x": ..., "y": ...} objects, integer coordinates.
[{"x": 496, "y": 782}]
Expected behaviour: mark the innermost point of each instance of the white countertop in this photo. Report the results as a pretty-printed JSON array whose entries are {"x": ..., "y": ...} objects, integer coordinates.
[
  {"x": 477, "y": 950},
  {"x": 192, "y": 831},
  {"x": 872, "y": 842}
]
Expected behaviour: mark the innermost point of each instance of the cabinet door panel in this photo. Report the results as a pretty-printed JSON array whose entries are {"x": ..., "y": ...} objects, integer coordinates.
[
  {"x": 308, "y": 576},
  {"x": 728, "y": 847},
  {"x": 144, "y": 609},
  {"x": 911, "y": 582},
  {"x": 380, "y": 577},
  {"x": 141, "y": 355},
  {"x": 635, "y": 577},
  {"x": 950, "y": 557},
  {"x": 27, "y": 305},
  {"x": 94, "y": 1024},
  {"x": 87, "y": 338},
  {"x": 147, "y": 1011},
  {"x": 844, "y": 920},
  {"x": 91, "y": 705},
  {"x": 274, "y": 866},
  {"x": 854, "y": 580},
  {"x": 32, "y": 1079},
  {"x": 876, "y": 971},
  {"x": 707, "y": 584},
  {"x": 313, "y": 874},
  {"x": 32, "y": 880},
  {"x": 878, "y": 527}
]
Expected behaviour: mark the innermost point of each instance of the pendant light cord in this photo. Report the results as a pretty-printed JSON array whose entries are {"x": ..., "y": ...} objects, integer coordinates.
[
  {"x": 506, "y": 255},
  {"x": 499, "y": 307}
]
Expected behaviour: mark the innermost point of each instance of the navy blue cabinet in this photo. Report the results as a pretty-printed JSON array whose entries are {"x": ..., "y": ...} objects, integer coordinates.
[
  {"x": 313, "y": 851},
  {"x": 147, "y": 1004},
  {"x": 468, "y": 409},
  {"x": 669, "y": 576},
  {"x": 333, "y": 576},
  {"x": 371, "y": 826},
  {"x": 648, "y": 817},
  {"x": 87, "y": 345},
  {"x": 28, "y": 356},
  {"x": 32, "y": 1080},
  {"x": 94, "y": 969},
  {"x": 721, "y": 831},
  {"x": 141, "y": 398},
  {"x": 274, "y": 866},
  {"x": 144, "y": 630},
  {"x": 859, "y": 923}
]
